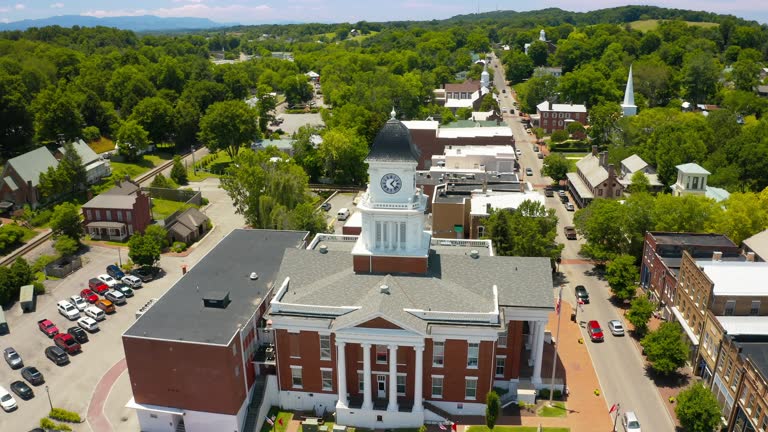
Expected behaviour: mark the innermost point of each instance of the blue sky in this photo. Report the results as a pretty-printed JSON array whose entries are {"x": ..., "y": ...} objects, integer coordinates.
[{"x": 260, "y": 11}]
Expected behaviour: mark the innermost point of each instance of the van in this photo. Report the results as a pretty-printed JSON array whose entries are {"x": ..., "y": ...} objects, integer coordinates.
[
  {"x": 630, "y": 423},
  {"x": 95, "y": 313},
  {"x": 343, "y": 214}
]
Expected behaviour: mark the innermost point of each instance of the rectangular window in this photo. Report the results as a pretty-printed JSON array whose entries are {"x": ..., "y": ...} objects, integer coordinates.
[
  {"x": 381, "y": 354},
  {"x": 470, "y": 388},
  {"x": 109, "y": 215},
  {"x": 293, "y": 345},
  {"x": 119, "y": 216},
  {"x": 743, "y": 396},
  {"x": 98, "y": 214},
  {"x": 325, "y": 347},
  {"x": 720, "y": 363},
  {"x": 751, "y": 403},
  {"x": 360, "y": 382},
  {"x": 754, "y": 310},
  {"x": 296, "y": 377},
  {"x": 764, "y": 424},
  {"x": 438, "y": 352},
  {"x": 437, "y": 386},
  {"x": 401, "y": 385},
  {"x": 695, "y": 183},
  {"x": 472, "y": 353},
  {"x": 88, "y": 215},
  {"x": 128, "y": 216},
  {"x": 599, "y": 192},
  {"x": 736, "y": 378},
  {"x": 480, "y": 231},
  {"x": 730, "y": 306},
  {"x": 502, "y": 341},
  {"x": 402, "y": 357},
  {"x": 728, "y": 372},
  {"x": 500, "y": 366},
  {"x": 327, "y": 376}
]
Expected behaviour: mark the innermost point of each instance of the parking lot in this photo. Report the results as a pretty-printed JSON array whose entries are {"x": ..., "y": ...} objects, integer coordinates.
[{"x": 340, "y": 200}]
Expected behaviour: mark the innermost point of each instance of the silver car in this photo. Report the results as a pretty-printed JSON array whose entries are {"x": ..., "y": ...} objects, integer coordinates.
[
  {"x": 616, "y": 328},
  {"x": 13, "y": 358}
]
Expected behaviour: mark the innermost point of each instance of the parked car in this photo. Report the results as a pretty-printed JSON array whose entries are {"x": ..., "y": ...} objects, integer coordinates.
[
  {"x": 528, "y": 172},
  {"x": 97, "y": 286},
  {"x": 57, "y": 355},
  {"x": 105, "y": 305},
  {"x": 66, "y": 342},
  {"x": 115, "y": 272},
  {"x": 89, "y": 296},
  {"x": 581, "y": 293},
  {"x": 569, "y": 206},
  {"x": 540, "y": 155},
  {"x": 549, "y": 192},
  {"x": 22, "y": 390},
  {"x": 67, "y": 310},
  {"x": 95, "y": 313},
  {"x": 326, "y": 206},
  {"x": 107, "y": 279},
  {"x": 561, "y": 193},
  {"x": 563, "y": 198},
  {"x": 570, "y": 232},
  {"x": 78, "y": 302},
  {"x": 630, "y": 422},
  {"x": 89, "y": 323},
  {"x": 124, "y": 289},
  {"x": 32, "y": 375},
  {"x": 115, "y": 296},
  {"x": 146, "y": 274},
  {"x": 595, "y": 332},
  {"x": 13, "y": 358},
  {"x": 7, "y": 401},
  {"x": 132, "y": 281},
  {"x": 616, "y": 328},
  {"x": 48, "y": 327},
  {"x": 79, "y": 334},
  {"x": 518, "y": 152}
]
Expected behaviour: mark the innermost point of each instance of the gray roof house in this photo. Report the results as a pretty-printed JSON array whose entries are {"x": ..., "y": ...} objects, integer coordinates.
[
  {"x": 21, "y": 176},
  {"x": 96, "y": 168},
  {"x": 188, "y": 226}
]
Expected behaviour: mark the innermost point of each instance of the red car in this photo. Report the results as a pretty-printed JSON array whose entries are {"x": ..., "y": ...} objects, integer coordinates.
[
  {"x": 66, "y": 342},
  {"x": 46, "y": 326},
  {"x": 97, "y": 286},
  {"x": 89, "y": 296},
  {"x": 595, "y": 332}
]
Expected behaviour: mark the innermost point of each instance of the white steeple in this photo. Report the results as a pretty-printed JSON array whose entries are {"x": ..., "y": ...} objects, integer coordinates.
[
  {"x": 542, "y": 36},
  {"x": 628, "y": 107},
  {"x": 485, "y": 77}
]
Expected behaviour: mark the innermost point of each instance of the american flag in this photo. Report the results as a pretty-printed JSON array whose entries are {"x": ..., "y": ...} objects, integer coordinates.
[
  {"x": 270, "y": 421},
  {"x": 442, "y": 427}
]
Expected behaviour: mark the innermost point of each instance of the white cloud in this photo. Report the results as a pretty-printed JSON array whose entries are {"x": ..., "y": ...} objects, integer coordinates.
[
  {"x": 195, "y": 9},
  {"x": 19, "y": 6},
  {"x": 187, "y": 1},
  {"x": 57, "y": 5},
  {"x": 3, "y": 10},
  {"x": 5, "y": 20}
]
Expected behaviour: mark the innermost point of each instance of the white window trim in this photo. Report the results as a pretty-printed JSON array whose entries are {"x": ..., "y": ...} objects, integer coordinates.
[
  {"x": 376, "y": 354},
  {"x": 495, "y": 365},
  {"x": 442, "y": 386},
  {"x": 330, "y": 347},
  {"x": 293, "y": 367},
  {"x": 406, "y": 383},
  {"x": 324, "y": 369},
  {"x": 470, "y": 378},
  {"x": 477, "y": 357}
]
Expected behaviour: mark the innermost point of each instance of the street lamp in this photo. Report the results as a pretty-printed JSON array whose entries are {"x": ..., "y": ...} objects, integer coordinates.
[{"x": 49, "y": 397}]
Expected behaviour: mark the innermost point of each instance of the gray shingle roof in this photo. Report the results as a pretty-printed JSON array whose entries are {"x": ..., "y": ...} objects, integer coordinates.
[
  {"x": 31, "y": 164},
  {"x": 634, "y": 163},
  {"x": 86, "y": 153},
  {"x": 692, "y": 168},
  {"x": 393, "y": 144},
  {"x": 108, "y": 201},
  {"x": 590, "y": 166}
]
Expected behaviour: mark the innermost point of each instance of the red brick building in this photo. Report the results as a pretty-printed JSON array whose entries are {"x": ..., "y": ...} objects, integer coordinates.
[
  {"x": 431, "y": 140},
  {"x": 552, "y": 117},
  {"x": 117, "y": 213}
]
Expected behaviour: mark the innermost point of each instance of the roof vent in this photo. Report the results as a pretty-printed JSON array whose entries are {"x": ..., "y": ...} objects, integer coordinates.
[
  {"x": 384, "y": 289},
  {"x": 474, "y": 254},
  {"x": 323, "y": 249},
  {"x": 254, "y": 275},
  {"x": 717, "y": 256},
  {"x": 216, "y": 299}
]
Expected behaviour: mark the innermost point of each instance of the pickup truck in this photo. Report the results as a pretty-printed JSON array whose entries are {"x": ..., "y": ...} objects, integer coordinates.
[
  {"x": 46, "y": 326},
  {"x": 570, "y": 232},
  {"x": 67, "y": 343}
]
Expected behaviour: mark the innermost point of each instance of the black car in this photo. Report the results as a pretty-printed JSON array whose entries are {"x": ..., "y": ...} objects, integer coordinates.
[
  {"x": 125, "y": 289},
  {"x": 79, "y": 334},
  {"x": 57, "y": 355},
  {"x": 549, "y": 192},
  {"x": 146, "y": 274},
  {"x": 582, "y": 294},
  {"x": 326, "y": 206},
  {"x": 22, "y": 390},
  {"x": 32, "y": 375}
]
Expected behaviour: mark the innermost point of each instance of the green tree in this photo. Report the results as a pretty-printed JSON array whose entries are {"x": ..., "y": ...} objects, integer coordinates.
[
  {"x": 576, "y": 129},
  {"x": 665, "y": 348},
  {"x": 640, "y": 311},
  {"x": 20, "y": 274},
  {"x": 161, "y": 181},
  {"x": 178, "y": 171},
  {"x": 91, "y": 133},
  {"x": 305, "y": 152},
  {"x": 746, "y": 214},
  {"x": 49, "y": 184},
  {"x": 622, "y": 275},
  {"x": 559, "y": 136},
  {"x": 492, "y": 409},
  {"x": 158, "y": 234},
  {"x": 56, "y": 113},
  {"x": 518, "y": 67},
  {"x": 265, "y": 107},
  {"x": 156, "y": 116},
  {"x": 688, "y": 213},
  {"x": 143, "y": 250},
  {"x": 697, "y": 409},
  {"x": 342, "y": 152},
  {"x": 639, "y": 183},
  {"x": 16, "y": 119},
  {"x": 538, "y": 52},
  {"x": 305, "y": 217},
  {"x": 699, "y": 75},
  {"x": 131, "y": 139},
  {"x": 603, "y": 119},
  {"x": 66, "y": 246},
  {"x": 535, "y": 91},
  {"x": 555, "y": 166},
  {"x": 601, "y": 223},
  {"x": 530, "y": 230},
  {"x": 71, "y": 169},
  {"x": 65, "y": 221},
  {"x": 228, "y": 126},
  {"x": 297, "y": 90}
]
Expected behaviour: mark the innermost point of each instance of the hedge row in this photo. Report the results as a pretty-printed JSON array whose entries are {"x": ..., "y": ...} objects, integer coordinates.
[
  {"x": 49, "y": 424},
  {"x": 64, "y": 415}
]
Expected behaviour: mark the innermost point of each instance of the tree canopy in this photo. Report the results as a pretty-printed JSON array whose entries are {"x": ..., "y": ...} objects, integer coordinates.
[{"x": 529, "y": 230}]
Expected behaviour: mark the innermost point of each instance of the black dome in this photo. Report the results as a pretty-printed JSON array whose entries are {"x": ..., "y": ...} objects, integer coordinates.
[{"x": 393, "y": 144}]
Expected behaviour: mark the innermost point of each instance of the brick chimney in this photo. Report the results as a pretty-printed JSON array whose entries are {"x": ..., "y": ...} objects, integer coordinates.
[
  {"x": 603, "y": 158},
  {"x": 594, "y": 150},
  {"x": 750, "y": 256},
  {"x": 717, "y": 256},
  {"x": 550, "y": 105}
]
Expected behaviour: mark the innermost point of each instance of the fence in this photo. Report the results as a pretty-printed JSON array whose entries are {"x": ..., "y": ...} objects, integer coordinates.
[
  {"x": 186, "y": 196},
  {"x": 63, "y": 267}
]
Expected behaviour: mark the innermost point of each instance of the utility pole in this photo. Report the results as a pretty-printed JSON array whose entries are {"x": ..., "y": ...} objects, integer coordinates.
[{"x": 49, "y": 397}]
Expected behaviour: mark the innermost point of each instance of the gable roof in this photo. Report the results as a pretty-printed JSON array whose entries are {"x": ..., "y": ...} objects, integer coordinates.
[
  {"x": 192, "y": 217},
  {"x": 590, "y": 167},
  {"x": 123, "y": 187},
  {"x": 83, "y": 150},
  {"x": 111, "y": 201},
  {"x": 30, "y": 165},
  {"x": 692, "y": 168},
  {"x": 634, "y": 163},
  {"x": 467, "y": 86}
]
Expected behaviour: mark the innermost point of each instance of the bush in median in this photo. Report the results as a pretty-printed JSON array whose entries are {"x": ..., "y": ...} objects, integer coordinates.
[
  {"x": 64, "y": 415},
  {"x": 49, "y": 424}
]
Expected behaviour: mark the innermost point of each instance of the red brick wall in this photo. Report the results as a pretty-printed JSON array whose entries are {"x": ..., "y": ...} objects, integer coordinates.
[
  {"x": 309, "y": 360},
  {"x": 142, "y": 212},
  {"x": 455, "y": 370},
  {"x": 378, "y": 323},
  {"x": 426, "y": 141},
  {"x": 511, "y": 353},
  {"x": 186, "y": 375},
  {"x": 379, "y": 264}
]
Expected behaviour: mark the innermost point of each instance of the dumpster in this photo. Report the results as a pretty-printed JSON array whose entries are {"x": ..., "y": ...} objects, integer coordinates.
[{"x": 27, "y": 298}]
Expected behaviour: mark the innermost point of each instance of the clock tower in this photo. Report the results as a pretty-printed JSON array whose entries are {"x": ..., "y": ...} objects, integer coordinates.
[{"x": 392, "y": 239}]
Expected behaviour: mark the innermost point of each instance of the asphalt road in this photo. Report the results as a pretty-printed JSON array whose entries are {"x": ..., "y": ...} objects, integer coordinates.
[{"x": 619, "y": 366}]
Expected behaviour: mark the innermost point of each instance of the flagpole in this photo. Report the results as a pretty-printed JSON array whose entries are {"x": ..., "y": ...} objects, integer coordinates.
[
  {"x": 557, "y": 342},
  {"x": 616, "y": 419}
]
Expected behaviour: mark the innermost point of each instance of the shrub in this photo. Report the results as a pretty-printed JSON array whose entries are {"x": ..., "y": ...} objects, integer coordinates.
[
  {"x": 41, "y": 262},
  {"x": 178, "y": 172},
  {"x": 179, "y": 247},
  {"x": 10, "y": 236},
  {"x": 48, "y": 424},
  {"x": 39, "y": 288},
  {"x": 559, "y": 136},
  {"x": 41, "y": 217},
  {"x": 91, "y": 133},
  {"x": 64, "y": 415},
  {"x": 204, "y": 201},
  {"x": 544, "y": 393},
  {"x": 161, "y": 181}
]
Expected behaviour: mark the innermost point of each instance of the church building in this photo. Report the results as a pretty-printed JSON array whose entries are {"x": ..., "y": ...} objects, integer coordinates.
[{"x": 394, "y": 328}]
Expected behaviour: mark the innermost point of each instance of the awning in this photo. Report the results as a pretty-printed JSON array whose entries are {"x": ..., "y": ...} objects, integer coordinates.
[
  {"x": 5, "y": 205},
  {"x": 684, "y": 323},
  {"x": 106, "y": 224},
  {"x": 153, "y": 408},
  {"x": 579, "y": 185}
]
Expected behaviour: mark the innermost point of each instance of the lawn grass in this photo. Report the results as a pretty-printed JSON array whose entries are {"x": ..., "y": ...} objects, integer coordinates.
[
  {"x": 558, "y": 410},
  {"x": 161, "y": 208},
  {"x": 29, "y": 234},
  {"x": 515, "y": 429},
  {"x": 284, "y": 415},
  {"x": 102, "y": 145},
  {"x": 652, "y": 24}
]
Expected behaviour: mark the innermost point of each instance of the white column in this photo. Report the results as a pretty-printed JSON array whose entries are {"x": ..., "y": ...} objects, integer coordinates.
[
  {"x": 367, "y": 401},
  {"x": 418, "y": 379},
  {"x": 539, "y": 348},
  {"x": 392, "y": 406},
  {"x": 534, "y": 334},
  {"x": 341, "y": 372},
  {"x": 529, "y": 338}
]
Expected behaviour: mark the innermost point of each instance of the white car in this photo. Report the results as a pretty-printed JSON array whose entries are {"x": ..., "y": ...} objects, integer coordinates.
[
  {"x": 629, "y": 420},
  {"x": 67, "y": 310},
  {"x": 132, "y": 281},
  {"x": 78, "y": 302},
  {"x": 6, "y": 400},
  {"x": 107, "y": 279},
  {"x": 519, "y": 152},
  {"x": 616, "y": 328},
  {"x": 88, "y": 323}
]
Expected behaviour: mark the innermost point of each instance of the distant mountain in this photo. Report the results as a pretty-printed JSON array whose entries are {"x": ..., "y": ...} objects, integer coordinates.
[{"x": 135, "y": 23}]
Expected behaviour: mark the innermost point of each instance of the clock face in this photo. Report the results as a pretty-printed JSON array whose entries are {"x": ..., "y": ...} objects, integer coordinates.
[{"x": 391, "y": 183}]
